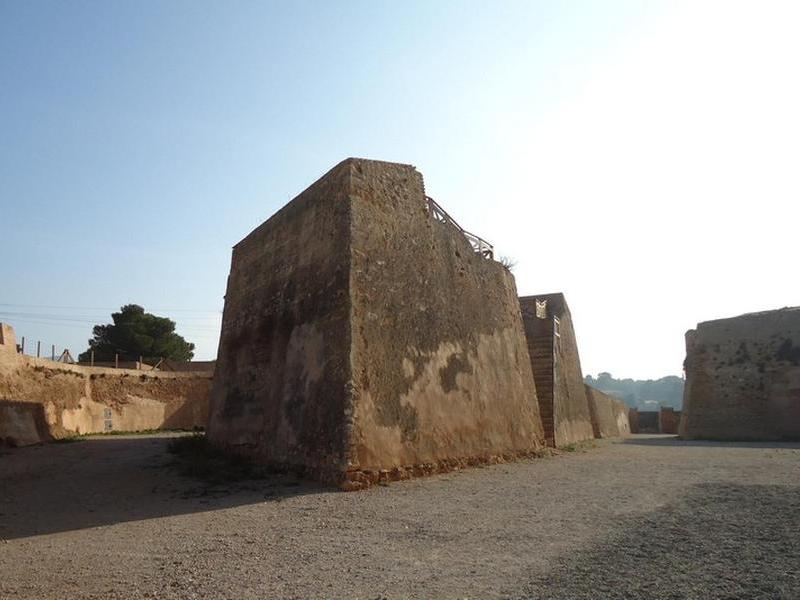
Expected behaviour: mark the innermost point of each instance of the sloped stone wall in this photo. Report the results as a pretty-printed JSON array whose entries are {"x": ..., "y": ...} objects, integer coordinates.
[
  {"x": 363, "y": 339},
  {"x": 283, "y": 390},
  {"x": 556, "y": 365},
  {"x": 609, "y": 414},
  {"x": 440, "y": 367}
]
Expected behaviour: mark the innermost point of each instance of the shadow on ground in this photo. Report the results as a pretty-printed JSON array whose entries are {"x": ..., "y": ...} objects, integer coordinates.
[
  {"x": 107, "y": 480},
  {"x": 673, "y": 440},
  {"x": 719, "y": 541}
]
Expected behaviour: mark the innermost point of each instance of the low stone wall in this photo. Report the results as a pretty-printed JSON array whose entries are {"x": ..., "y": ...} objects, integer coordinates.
[
  {"x": 41, "y": 399},
  {"x": 609, "y": 415}
]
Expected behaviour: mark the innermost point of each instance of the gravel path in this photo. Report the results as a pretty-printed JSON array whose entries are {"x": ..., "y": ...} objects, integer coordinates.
[{"x": 650, "y": 517}]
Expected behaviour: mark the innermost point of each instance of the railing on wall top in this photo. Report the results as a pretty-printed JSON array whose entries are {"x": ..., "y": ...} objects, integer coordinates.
[{"x": 481, "y": 246}]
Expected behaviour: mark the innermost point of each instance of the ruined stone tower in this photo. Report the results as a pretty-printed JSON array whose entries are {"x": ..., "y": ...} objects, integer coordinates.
[{"x": 364, "y": 336}]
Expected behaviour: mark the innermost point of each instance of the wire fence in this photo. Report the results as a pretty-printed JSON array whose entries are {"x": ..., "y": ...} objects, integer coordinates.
[
  {"x": 44, "y": 350},
  {"x": 61, "y": 354},
  {"x": 33, "y": 347}
]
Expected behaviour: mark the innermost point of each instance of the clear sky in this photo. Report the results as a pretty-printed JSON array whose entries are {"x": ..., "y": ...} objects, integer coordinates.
[{"x": 642, "y": 157}]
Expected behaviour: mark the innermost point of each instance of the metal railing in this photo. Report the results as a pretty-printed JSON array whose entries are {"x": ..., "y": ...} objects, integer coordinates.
[{"x": 479, "y": 245}]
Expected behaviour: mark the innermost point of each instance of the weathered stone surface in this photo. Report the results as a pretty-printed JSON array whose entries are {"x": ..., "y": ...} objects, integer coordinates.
[
  {"x": 361, "y": 336},
  {"x": 282, "y": 389},
  {"x": 41, "y": 399},
  {"x": 553, "y": 349},
  {"x": 609, "y": 414},
  {"x": 743, "y": 378}
]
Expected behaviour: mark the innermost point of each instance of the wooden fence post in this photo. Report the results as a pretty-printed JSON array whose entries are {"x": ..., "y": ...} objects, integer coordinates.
[
  {"x": 116, "y": 361},
  {"x": 53, "y": 353},
  {"x": 38, "y": 348},
  {"x": 92, "y": 358}
]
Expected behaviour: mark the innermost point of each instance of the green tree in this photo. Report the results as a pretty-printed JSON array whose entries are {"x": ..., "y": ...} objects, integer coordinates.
[{"x": 136, "y": 333}]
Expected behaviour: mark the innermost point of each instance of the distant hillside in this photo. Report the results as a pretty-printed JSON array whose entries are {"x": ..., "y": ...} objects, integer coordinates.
[{"x": 647, "y": 394}]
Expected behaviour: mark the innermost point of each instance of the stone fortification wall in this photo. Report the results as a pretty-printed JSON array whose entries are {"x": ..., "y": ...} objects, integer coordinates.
[
  {"x": 647, "y": 421},
  {"x": 669, "y": 420},
  {"x": 440, "y": 367},
  {"x": 743, "y": 378},
  {"x": 553, "y": 350},
  {"x": 42, "y": 399},
  {"x": 609, "y": 414},
  {"x": 363, "y": 339},
  {"x": 283, "y": 390}
]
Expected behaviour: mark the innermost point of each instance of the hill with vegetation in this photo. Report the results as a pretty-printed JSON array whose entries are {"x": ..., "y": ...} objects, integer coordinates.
[{"x": 644, "y": 394}]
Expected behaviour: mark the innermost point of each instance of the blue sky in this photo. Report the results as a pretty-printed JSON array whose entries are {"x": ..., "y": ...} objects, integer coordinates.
[{"x": 141, "y": 140}]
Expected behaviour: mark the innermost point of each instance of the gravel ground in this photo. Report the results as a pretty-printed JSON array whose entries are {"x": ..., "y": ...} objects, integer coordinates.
[{"x": 649, "y": 517}]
